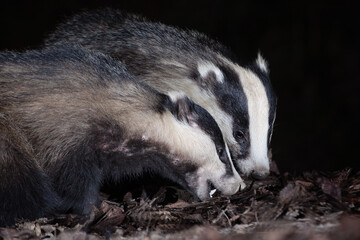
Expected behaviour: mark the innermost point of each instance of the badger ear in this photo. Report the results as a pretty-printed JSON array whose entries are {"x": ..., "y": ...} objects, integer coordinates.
[
  {"x": 185, "y": 111},
  {"x": 261, "y": 63},
  {"x": 209, "y": 74},
  {"x": 183, "y": 108}
]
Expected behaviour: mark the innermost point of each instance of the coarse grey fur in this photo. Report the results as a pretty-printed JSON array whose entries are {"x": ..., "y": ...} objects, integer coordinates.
[
  {"x": 240, "y": 99},
  {"x": 71, "y": 118}
]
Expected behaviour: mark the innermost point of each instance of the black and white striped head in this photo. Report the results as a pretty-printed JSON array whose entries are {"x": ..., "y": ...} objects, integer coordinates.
[
  {"x": 196, "y": 137},
  {"x": 245, "y": 110},
  {"x": 261, "y": 102}
]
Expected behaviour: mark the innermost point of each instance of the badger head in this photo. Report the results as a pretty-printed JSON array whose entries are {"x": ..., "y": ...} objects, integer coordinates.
[
  {"x": 245, "y": 110},
  {"x": 261, "y": 109},
  {"x": 200, "y": 154}
]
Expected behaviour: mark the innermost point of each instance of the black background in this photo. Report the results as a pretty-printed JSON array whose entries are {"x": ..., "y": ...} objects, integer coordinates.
[{"x": 312, "y": 50}]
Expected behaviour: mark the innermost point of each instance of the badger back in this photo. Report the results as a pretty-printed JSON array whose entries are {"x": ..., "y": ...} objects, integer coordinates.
[
  {"x": 240, "y": 99},
  {"x": 73, "y": 103}
]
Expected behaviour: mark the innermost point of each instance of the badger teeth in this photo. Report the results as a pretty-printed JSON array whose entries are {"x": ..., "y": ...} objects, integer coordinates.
[{"x": 212, "y": 192}]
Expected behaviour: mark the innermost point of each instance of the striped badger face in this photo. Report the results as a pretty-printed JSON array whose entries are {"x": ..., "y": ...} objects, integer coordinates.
[
  {"x": 200, "y": 154},
  {"x": 245, "y": 111}
]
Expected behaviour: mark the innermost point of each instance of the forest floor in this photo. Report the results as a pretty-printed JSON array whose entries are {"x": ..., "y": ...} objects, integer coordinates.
[{"x": 313, "y": 205}]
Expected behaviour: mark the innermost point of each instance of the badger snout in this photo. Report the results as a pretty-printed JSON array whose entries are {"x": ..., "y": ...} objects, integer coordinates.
[
  {"x": 259, "y": 174},
  {"x": 257, "y": 168},
  {"x": 227, "y": 185},
  {"x": 230, "y": 185}
]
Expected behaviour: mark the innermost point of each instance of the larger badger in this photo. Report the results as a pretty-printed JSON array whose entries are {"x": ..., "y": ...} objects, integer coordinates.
[
  {"x": 240, "y": 99},
  {"x": 71, "y": 119}
]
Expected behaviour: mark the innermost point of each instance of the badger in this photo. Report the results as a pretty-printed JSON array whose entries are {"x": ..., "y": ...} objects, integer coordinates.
[
  {"x": 71, "y": 118},
  {"x": 240, "y": 98}
]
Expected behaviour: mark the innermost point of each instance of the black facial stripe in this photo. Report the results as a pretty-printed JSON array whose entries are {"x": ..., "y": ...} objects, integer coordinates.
[
  {"x": 207, "y": 123},
  {"x": 232, "y": 99},
  {"x": 264, "y": 78}
]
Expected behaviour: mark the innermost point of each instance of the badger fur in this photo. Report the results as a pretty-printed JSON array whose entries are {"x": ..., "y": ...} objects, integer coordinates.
[
  {"x": 240, "y": 99},
  {"x": 71, "y": 118}
]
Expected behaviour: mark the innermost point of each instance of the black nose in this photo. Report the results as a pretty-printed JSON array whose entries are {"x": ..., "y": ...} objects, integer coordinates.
[{"x": 259, "y": 175}]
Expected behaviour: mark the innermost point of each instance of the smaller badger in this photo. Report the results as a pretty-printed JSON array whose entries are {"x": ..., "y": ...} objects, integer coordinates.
[
  {"x": 71, "y": 119},
  {"x": 240, "y": 98}
]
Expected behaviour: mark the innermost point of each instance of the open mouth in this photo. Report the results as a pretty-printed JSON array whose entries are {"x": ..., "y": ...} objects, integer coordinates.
[{"x": 211, "y": 189}]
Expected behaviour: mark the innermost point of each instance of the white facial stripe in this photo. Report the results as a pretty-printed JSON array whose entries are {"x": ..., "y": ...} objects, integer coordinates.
[
  {"x": 205, "y": 68},
  {"x": 258, "y": 109}
]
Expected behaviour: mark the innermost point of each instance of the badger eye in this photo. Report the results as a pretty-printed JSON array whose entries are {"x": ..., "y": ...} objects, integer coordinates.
[
  {"x": 240, "y": 137},
  {"x": 220, "y": 151}
]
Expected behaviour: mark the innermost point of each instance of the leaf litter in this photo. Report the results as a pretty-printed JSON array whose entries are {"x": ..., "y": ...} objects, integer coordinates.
[{"x": 314, "y": 205}]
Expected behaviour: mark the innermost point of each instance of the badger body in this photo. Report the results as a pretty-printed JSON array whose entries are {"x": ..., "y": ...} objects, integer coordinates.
[
  {"x": 240, "y": 99},
  {"x": 71, "y": 119}
]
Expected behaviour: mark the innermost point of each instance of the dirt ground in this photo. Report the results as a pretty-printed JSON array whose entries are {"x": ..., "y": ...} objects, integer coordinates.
[{"x": 313, "y": 205}]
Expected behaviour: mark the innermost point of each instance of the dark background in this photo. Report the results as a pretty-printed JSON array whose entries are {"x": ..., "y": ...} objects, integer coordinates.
[{"x": 312, "y": 50}]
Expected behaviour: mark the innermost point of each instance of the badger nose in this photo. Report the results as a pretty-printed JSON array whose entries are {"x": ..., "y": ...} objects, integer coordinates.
[{"x": 257, "y": 175}]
